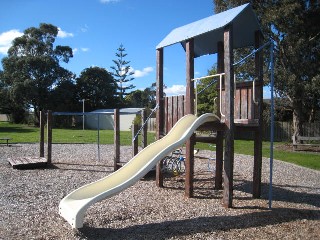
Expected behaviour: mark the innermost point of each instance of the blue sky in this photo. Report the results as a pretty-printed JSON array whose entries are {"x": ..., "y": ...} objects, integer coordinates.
[{"x": 94, "y": 29}]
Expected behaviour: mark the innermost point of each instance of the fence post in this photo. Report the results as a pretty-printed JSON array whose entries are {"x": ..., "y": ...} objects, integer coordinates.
[
  {"x": 116, "y": 140},
  {"x": 144, "y": 129},
  {"x": 160, "y": 111},
  {"x": 134, "y": 130},
  {"x": 49, "y": 136},
  {"x": 42, "y": 133}
]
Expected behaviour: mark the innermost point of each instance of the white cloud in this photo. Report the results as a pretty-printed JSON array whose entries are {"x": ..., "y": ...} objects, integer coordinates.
[
  {"x": 84, "y": 49},
  {"x": 175, "y": 90},
  {"x": 64, "y": 34},
  {"x": 142, "y": 73},
  {"x": 109, "y": 1},
  {"x": 84, "y": 29},
  {"x": 77, "y": 50},
  {"x": 6, "y": 39}
]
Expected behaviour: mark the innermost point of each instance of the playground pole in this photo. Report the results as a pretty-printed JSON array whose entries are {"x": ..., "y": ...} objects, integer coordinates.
[
  {"x": 272, "y": 123},
  {"x": 49, "y": 136},
  {"x": 116, "y": 139},
  {"x": 98, "y": 140},
  {"x": 42, "y": 121}
]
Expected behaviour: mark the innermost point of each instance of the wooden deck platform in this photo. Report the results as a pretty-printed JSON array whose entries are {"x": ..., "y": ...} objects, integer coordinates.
[{"x": 28, "y": 162}]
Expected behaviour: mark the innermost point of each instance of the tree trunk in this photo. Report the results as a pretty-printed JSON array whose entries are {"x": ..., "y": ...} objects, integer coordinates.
[
  {"x": 312, "y": 115},
  {"x": 36, "y": 114},
  {"x": 297, "y": 119}
]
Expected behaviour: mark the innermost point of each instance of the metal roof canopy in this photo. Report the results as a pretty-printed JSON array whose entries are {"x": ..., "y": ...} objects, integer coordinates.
[
  {"x": 208, "y": 32},
  {"x": 122, "y": 111}
]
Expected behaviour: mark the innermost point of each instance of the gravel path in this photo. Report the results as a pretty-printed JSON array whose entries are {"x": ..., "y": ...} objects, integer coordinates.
[{"x": 29, "y": 200}]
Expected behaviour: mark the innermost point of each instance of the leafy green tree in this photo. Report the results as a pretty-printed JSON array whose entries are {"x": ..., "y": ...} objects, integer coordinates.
[
  {"x": 151, "y": 93},
  {"x": 65, "y": 98},
  {"x": 3, "y": 95},
  {"x": 122, "y": 73},
  {"x": 293, "y": 26},
  {"x": 32, "y": 67},
  {"x": 135, "y": 99},
  {"x": 97, "y": 86},
  {"x": 142, "y": 99},
  {"x": 17, "y": 111},
  {"x": 207, "y": 93}
]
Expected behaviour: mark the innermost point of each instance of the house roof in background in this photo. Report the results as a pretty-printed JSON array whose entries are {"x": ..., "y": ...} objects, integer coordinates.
[{"x": 122, "y": 111}]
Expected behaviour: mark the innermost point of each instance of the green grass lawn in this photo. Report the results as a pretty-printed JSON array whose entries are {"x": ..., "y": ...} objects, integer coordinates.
[
  {"x": 305, "y": 159},
  {"x": 26, "y": 134}
]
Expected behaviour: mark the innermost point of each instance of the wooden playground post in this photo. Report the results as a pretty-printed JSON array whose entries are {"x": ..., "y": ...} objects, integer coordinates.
[
  {"x": 42, "y": 121},
  {"x": 49, "y": 136},
  {"x": 144, "y": 133},
  {"x": 189, "y": 110},
  {"x": 219, "y": 137},
  {"x": 229, "y": 117},
  {"x": 160, "y": 111},
  {"x": 134, "y": 131},
  {"x": 256, "y": 188},
  {"x": 116, "y": 140}
]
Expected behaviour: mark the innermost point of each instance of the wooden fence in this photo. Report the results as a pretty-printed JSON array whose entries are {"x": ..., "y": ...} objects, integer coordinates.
[{"x": 283, "y": 131}]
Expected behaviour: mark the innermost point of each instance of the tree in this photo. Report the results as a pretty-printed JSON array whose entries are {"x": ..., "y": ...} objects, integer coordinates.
[
  {"x": 98, "y": 88},
  {"x": 32, "y": 67},
  {"x": 207, "y": 93},
  {"x": 293, "y": 26},
  {"x": 65, "y": 98},
  {"x": 135, "y": 99},
  {"x": 122, "y": 72},
  {"x": 142, "y": 99},
  {"x": 16, "y": 110},
  {"x": 151, "y": 93},
  {"x": 4, "y": 101}
]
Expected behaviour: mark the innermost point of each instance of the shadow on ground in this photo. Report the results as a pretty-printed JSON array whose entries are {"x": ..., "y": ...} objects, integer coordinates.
[
  {"x": 180, "y": 228},
  {"x": 282, "y": 193}
]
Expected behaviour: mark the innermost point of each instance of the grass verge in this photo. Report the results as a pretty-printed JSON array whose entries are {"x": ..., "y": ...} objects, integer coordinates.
[{"x": 26, "y": 134}]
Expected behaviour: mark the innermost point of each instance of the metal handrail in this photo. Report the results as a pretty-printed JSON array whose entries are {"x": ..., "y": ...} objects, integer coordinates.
[{"x": 145, "y": 122}]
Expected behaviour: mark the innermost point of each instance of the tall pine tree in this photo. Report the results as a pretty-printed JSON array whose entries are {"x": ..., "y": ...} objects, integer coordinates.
[{"x": 122, "y": 73}]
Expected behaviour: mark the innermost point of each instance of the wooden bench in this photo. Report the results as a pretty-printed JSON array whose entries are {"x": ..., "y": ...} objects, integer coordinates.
[
  {"x": 6, "y": 139},
  {"x": 305, "y": 141}
]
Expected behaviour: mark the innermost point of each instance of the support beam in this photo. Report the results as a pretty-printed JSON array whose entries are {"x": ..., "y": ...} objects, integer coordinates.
[
  {"x": 219, "y": 141},
  {"x": 189, "y": 76},
  {"x": 160, "y": 111},
  {"x": 49, "y": 136},
  {"x": 229, "y": 117},
  {"x": 42, "y": 123},
  {"x": 134, "y": 131},
  {"x": 116, "y": 140},
  {"x": 256, "y": 188},
  {"x": 189, "y": 110},
  {"x": 144, "y": 132}
]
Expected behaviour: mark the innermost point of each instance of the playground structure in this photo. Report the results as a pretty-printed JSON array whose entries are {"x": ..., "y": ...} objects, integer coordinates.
[
  {"x": 47, "y": 118},
  {"x": 239, "y": 104},
  {"x": 116, "y": 127},
  {"x": 41, "y": 161},
  {"x": 239, "y": 109},
  {"x": 74, "y": 205}
]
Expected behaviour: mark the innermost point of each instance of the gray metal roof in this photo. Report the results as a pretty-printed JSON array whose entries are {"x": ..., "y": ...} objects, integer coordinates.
[
  {"x": 122, "y": 111},
  {"x": 208, "y": 31}
]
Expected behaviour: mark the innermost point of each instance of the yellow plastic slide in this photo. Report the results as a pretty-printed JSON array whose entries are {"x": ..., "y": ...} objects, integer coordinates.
[{"x": 74, "y": 205}]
